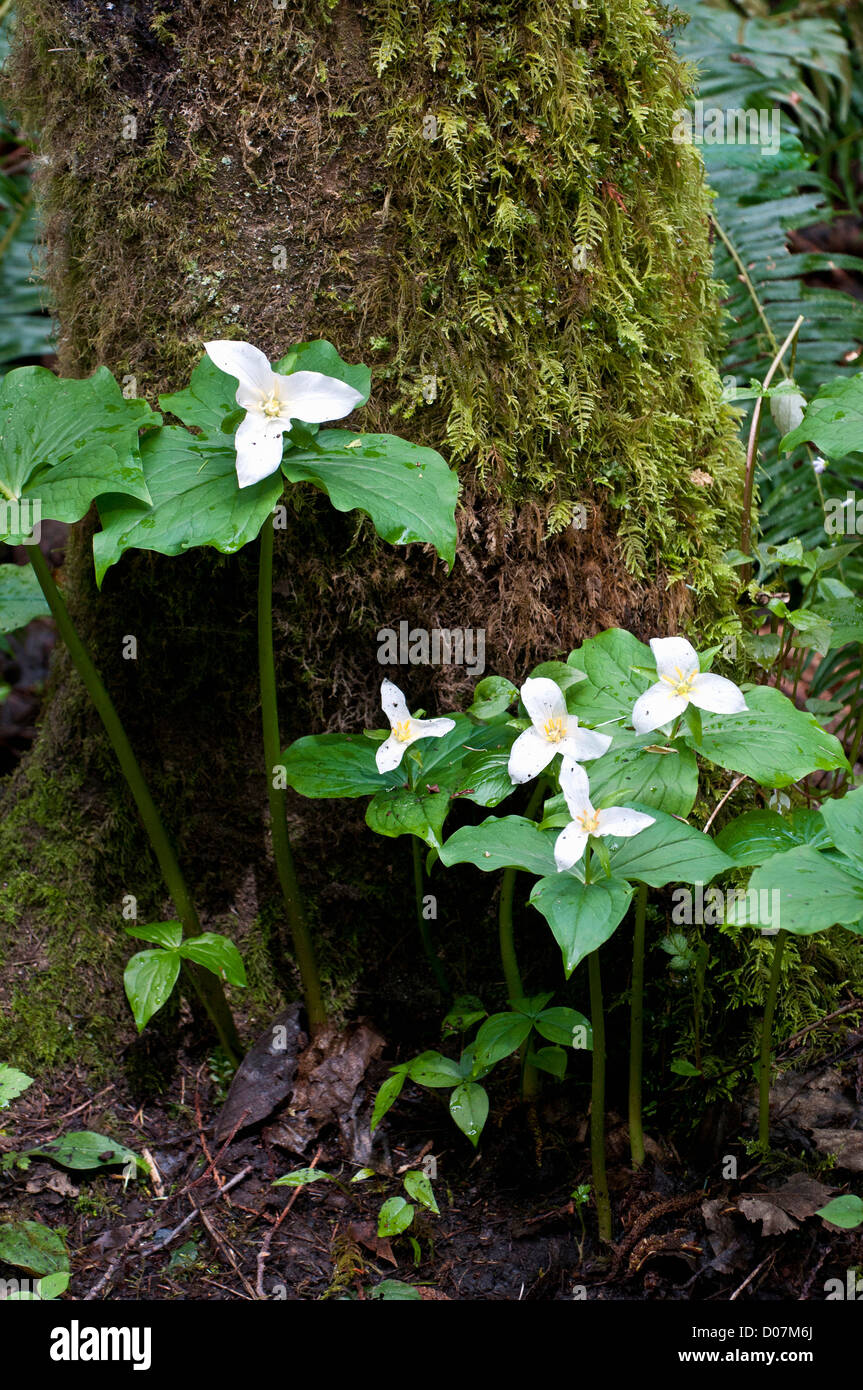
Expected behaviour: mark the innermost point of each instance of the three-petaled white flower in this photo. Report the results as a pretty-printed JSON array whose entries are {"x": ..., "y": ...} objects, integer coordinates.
[
  {"x": 271, "y": 401},
  {"x": 618, "y": 821},
  {"x": 405, "y": 729},
  {"x": 553, "y": 730},
  {"x": 682, "y": 683}
]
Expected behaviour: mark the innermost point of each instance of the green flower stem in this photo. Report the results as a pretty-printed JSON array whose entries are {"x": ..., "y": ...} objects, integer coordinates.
[
  {"x": 767, "y": 1042},
  {"x": 206, "y": 984},
  {"x": 425, "y": 930},
  {"x": 303, "y": 948},
  {"x": 636, "y": 1030},
  {"x": 597, "y": 1101},
  {"x": 508, "y": 957}
]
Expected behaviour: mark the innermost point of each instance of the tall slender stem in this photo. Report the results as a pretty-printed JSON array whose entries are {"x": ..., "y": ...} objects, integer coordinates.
[
  {"x": 508, "y": 957},
  {"x": 752, "y": 448},
  {"x": 597, "y": 1100},
  {"x": 767, "y": 1042},
  {"x": 636, "y": 1030},
  {"x": 303, "y": 948},
  {"x": 206, "y": 984},
  {"x": 425, "y": 931}
]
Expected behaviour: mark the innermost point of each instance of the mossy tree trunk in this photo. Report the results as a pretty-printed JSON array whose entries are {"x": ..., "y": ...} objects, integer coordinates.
[{"x": 484, "y": 202}]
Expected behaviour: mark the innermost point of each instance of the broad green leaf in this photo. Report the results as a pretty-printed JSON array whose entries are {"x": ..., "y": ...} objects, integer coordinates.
[
  {"x": 148, "y": 979},
  {"x": 501, "y": 842},
  {"x": 64, "y": 442},
  {"x": 500, "y": 1035},
  {"x": 387, "y": 1096},
  {"x": 845, "y": 1211},
  {"x": 772, "y": 742},
  {"x": 468, "y": 1106},
  {"x": 301, "y": 1177},
  {"x": 562, "y": 673},
  {"x": 321, "y": 356},
  {"x": 167, "y": 934},
  {"x": 394, "y": 1291},
  {"x": 614, "y": 682},
  {"x": 559, "y": 1025},
  {"x": 217, "y": 953},
  {"x": 13, "y": 1083},
  {"x": 335, "y": 765},
  {"x": 49, "y": 1287},
  {"x": 196, "y": 500},
  {"x": 833, "y": 421},
  {"x": 418, "y": 1186},
  {"x": 549, "y": 1059},
  {"x": 845, "y": 616},
  {"x": 440, "y": 762},
  {"x": 84, "y": 1149},
  {"x": 669, "y": 851},
  {"x": 433, "y": 1069},
  {"x": 681, "y": 1067},
  {"x": 581, "y": 915},
  {"x": 407, "y": 490},
  {"x": 21, "y": 598},
  {"x": 493, "y": 696},
  {"x": 844, "y": 821},
  {"x": 814, "y": 892},
  {"x": 485, "y": 778},
  {"x": 634, "y": 769},
  {"x": 31, "y": 1245},
  {"x": 395, "y": 1216},
  {"x": 406, "y": 812},
  {"x": 466, "y": 1009},
  {"x": 757, "y": 835}
]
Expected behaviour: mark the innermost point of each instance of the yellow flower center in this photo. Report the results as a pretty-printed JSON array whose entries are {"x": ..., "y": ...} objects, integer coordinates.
[
  {"x": 402, "y": 731},
  {"x": 681, "y": 682},
  {"x": 589, "y": 822},
  {"x": 554, "y": 730},
  {"x": 271, "y": 405}
]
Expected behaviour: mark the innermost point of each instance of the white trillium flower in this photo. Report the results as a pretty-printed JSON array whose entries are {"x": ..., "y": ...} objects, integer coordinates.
[
  {"x": 617, "y": 821},
  {"x": 553, "y": 730},
  {"x": 405, "y": 728},
  {"x": 682, "y": 683},
  {"x": 272, "y": 401}
]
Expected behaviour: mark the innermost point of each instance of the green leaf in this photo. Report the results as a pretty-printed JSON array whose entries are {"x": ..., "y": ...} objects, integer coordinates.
[
  {"x": 466, "y": 1009},
  {"x": 833, "y": 421},
  {"x": 418, "y": 1186},
  {"x": 493, "y": 696},
  {"x": 387, "y": 1096},
  {"x": 167, "y": 934},
  {"x": 65, "y": 442},
  {"x": 501, "y": 842},
  {"x": 563, "y": 673},
  {"x": 394, "y": 1291},
  {"x": 581, "y": 915},
  {"x": 549, "y": 1059},
  {"x": 844, "y": 821},
  {"x": 633, "y": 769},
  {"x": 681, "y": 1067},
  {"x": 50, "y": 1286},
  {"x": 301, "y": 1177},
  {"x": 335, "y": 765},
  {"x": 407, "y": 812},
  {"x": 559, "y": 1025},
  {"x": 500, "y": 1035},
  {"x": 614, "y": 682},
  {"x": 485, "y": 777},
  {"x": 217, "y": 953},
  {"x": 21, "y": 598},
  {"x": 772, "y": 742},
  {"x": 669, "y": 851},
  {"x": 196, "y": 500},
  {"x": 433, "y": 1069},
  {"x": 84, "y": 1149},
  {"x": 407, "y": 490},
  {"x": 845, "y": 1211},
  {"x": 321, "y": 356},
  {"x": 32, "y": 1246},
  {"x": 206, "y": 402},
  {"x": 756, "y": 835},
  {"x": 148, "y": 979},
  {"x": 814, "y": 891},
  {"x": 845, "y": 616},
  {"x": 468, "y": 1106},
  {"x": 13, "y": 1083},
  {"x": 395, "y": 1216}
]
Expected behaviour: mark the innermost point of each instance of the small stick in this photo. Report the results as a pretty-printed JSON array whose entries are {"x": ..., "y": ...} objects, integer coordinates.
[
  {"x": 264, "y": 1252},
  {"x": 733, "y": 788}
]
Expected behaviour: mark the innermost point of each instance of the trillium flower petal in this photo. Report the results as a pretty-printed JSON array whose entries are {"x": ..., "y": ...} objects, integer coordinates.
[
  {"x": 247, "y": 363},
  {"x": 716, "y": 694},
  {"x": 582, "y": 744},
  {"x": 575, "y": 787},
  {"x": 430, "y": 728},
  {"x": 259, "y": 449},
  {"x": 393, "y": 703},
  {"x": 543, "y": 700},
  {"x": 390, "y": 754},
  {"x": 657, "y": 706},
  {"x": 569, "y": 846},
  {"x": 314, "y": 398},
  {"x": 673, "y": 655},
  {"x": 529, "y": 755},
  {"x": 622, "y": 822}
]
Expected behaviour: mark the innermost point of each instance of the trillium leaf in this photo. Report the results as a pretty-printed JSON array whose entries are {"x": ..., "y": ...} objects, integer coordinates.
[
  {"x": 468, "y": 1106},
  {"x": 217, "y": 953},
  {"x": 669, "y": 851},
  {"x": 196, "y": 500},
  {"x": 407, "y": 812},
  {"x": 321, "y": 356},
  {"x": 559, "y": 1025},
  {"x": 500, "y": 1035},
  {"x": 148, "y": 979},
  {"x": 21, "y": 598},
  {"x": 500, "y": 843},
  {"x": 62, "y": 443},
  {"x": 844, "y": 821},
  {"x": 772, "y": 742},
  {"x": 492, "y": 696},
  {"x": 582, "y": 916},
  {"x": 407, "y": 490},
  {"x": 166, "y": 934},
  {"x": 757, "y": 835},
  {"x": 335, "y": 765},
  {"x": 435, "y": 1070},
  {"x": 814, "y": 892},
  {"x": 633, "y": 770},
  {"x": 845, "y": 616},
  {"x": 618, "y": 669},
  {"x": 485, "y": 776},
  {"x": 210, "y": 398},
  {"x": 833, "y": 421}
]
